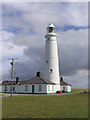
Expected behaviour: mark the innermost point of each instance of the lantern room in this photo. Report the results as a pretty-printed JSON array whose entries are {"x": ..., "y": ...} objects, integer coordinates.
[{"x": 51, "y": 28}]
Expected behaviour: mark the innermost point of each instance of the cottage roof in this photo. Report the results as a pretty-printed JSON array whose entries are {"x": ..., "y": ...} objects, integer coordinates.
[
  {"x": 39, "y": 80},
  {"x": 36, "y": 80},
  {"x": 7, "y": 82},
  {"x": 64, "y": 83}
]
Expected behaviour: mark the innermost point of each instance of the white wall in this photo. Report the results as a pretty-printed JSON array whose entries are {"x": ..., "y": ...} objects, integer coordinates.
[
  {"x": 8, "y": 88},
  {"x": 56, "y": 88},
  {"x": 67, "y": 88},
  {"x": 44, "y": 88},
  {"x": 49, "y": 89},
  {"x": 21, "y": 88}
]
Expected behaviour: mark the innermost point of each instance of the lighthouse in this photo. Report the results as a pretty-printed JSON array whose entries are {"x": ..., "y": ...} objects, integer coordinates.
[
  {"x": 51, "y": 68},
  {"x": 51, "y": 83}
]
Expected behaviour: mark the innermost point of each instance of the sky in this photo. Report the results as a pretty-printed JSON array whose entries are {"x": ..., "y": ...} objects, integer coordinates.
[{"x": 23, "y": 36}]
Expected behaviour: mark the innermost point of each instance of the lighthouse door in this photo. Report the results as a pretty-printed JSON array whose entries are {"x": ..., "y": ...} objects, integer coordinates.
[{"x": 32, "y": 88}]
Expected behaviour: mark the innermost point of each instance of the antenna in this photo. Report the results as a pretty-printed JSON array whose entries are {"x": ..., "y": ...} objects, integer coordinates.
[{"x": 12, "y": 63}]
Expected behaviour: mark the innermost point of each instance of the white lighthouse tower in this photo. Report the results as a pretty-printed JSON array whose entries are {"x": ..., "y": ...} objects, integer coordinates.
[{"x": 51, "y": 70}]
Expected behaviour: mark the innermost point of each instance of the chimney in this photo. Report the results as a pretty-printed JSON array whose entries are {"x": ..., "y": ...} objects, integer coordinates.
[
  {"x": 61, "y": 79},
  {"x": 17, "y": 79},
  {"x": 38, "y": 74}
]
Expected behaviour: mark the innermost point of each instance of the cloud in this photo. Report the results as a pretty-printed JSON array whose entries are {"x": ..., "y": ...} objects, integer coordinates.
[
  {"x": 78, "y": 80},
  {"x": 28, "y": 68},
  {"x": 73, "y": 51},
  {"x": 45, "y": 1},
  {"x": 24, "y": 28},
  {"x": 6, "y": 36},
  {"x": 37, "y": 16},
  {"x": 10, "y": 49},
  {"x": 27, "y": 40}
]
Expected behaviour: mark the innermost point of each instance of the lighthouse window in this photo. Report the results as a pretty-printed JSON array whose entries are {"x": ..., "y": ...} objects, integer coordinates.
[
  {"x": 51, "y": 70},
  {"x": 50, "y": 29},
  {"x": 47, "y": 61}
]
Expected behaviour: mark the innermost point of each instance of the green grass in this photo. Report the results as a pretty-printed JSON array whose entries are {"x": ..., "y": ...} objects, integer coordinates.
[
  {"x": 77, "y": 90},
  {"x": 64, "y": 106}
]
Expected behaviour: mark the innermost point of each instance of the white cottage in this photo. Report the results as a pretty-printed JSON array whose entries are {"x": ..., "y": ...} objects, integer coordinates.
[{"x": 37, "y": 85}]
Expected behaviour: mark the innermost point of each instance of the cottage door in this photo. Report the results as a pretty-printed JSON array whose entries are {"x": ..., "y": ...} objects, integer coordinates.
[
  {"x": 64, "y": 89},
  {"x": 32, "y": 88}
]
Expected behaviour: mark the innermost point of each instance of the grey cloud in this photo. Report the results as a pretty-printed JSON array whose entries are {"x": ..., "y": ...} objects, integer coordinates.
[
  {"x": 33, "y": 63},
  {"x": 38, "y": 15},
  {"x": 73, "y": 59},
  {"x": 37, "y": 52},
  {"x": 72, "y": 46},
  {"x": 27, "y": 69},
  {"x": 28, "y": 40}
]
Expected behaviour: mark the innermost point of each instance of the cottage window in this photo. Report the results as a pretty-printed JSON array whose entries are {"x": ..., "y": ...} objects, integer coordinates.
[
  {"x": 13, "y": 88},
  {"x": 40, "y": 87},
  {"x": 26, "y": 87},
  {"x": 52, "y": 87},
  {"x": 48, "y": 87},
  {"x": 63, "y": 87},
  {"x": 5, "y": 89}
]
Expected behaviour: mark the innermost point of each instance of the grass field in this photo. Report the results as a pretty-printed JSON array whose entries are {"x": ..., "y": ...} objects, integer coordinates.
[
  {"x": 75, "y": 90},
  {"x": 64, "y": 106}
]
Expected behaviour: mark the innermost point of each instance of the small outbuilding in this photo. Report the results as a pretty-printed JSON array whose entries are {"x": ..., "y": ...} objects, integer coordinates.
[{"x": 65, "y": 87}]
